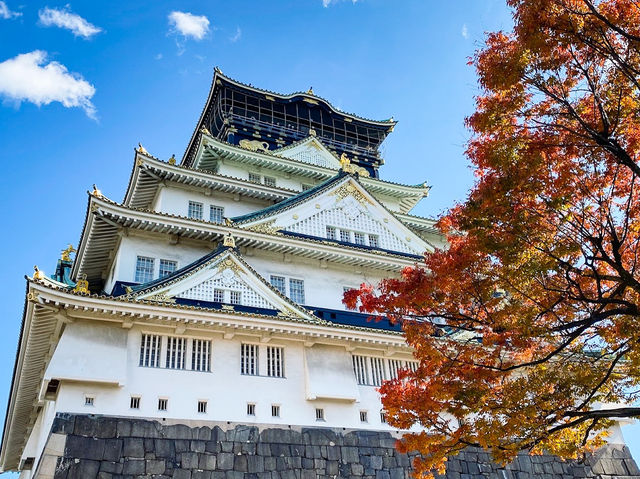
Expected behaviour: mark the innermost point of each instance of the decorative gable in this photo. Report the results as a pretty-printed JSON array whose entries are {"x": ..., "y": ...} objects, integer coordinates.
[
  {"x": 223, "y": 278},
  {"x": 341, "y": 210},
  {"x": 310, "y": 150}
]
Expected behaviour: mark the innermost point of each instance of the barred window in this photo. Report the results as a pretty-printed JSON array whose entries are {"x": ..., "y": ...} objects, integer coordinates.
[
  {"x": 88, "y": 400},
  {"x": 218, "y": 295},
  {"x": 167, "y": 267},
  {"x": 331, "y": 232},
  {"x": 162, "y": 404},
  {"x": 383, "y": 416},
  {"x": 144, "y": 269},
  {"x": 254, "y": 178},
  {"x": 395, "y": 366},
  {"x": 374, "y": 241},
  {"x": 135, "y": 402},
  {"x": 278, "y": 282},
  {"x": 216, "y": 214},
  {"x": 345, "y": 236},
  {"x": 275, "y": 362},
  {"x": 202, "y": 407},
  {"x": 195, "y": 210},
  {"x": 249, "y": 359},
  {"x": 150, "y": 350},
  {"x": 377, "y": 371},
  {"x": 358, "y": 238},
  {"x": 201, "y": 355},
  {"x": 363, "y": 416},
  {"x": 275, "y": 410},
  {"x": 269, "y": 181},
  {"x": 319, "y": 414},
  {"x": 296, "y": 290},
  {"x": 235, "y": 297},
  {"x": 361, "y": 369},
  {"x": 251, "y": 409},
  {"x": 176, "y": 348}
]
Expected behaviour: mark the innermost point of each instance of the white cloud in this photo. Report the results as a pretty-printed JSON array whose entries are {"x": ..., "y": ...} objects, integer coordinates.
[
  {"x": 189, "y": 25},
  {"x": 158, "y": 56},
  {"x": 236, "y": 36},
  {"x": 63, "y": 18},
  {"x": 6, "y": 13},
  {"x": 464, "y": 32},
  {"x": 28, "y": 77},
  {"x": 326, "y": 3}
]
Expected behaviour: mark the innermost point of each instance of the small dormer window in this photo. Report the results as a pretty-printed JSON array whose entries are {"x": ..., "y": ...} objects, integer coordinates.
[
  {"x": 269, "y": 181},
  {"x": 216, "y": 214},
  {"x": 195, "y": 210}
]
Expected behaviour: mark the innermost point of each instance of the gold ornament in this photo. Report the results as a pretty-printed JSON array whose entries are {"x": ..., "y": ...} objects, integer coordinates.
[
  {"x": 82, "y": 285},
  {"x": 141, "y": 149},
  {"x": 65, "y": 254},
  {"x": 229, "y": 241},
  {"x": 268, "y": 227},
  {"x": 172, "y": 160},
  {"x": 37, "y": 273}
]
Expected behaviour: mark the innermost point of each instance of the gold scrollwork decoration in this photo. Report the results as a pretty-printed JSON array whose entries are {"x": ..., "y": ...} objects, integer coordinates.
[
  {"x": 266, "y": 227},
  {"x": 161, "y": 297},
  {"x": 349, "y": 190}
]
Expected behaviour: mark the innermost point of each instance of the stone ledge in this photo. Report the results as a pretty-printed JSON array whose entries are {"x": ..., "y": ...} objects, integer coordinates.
[{"x": 102, "y": 447}]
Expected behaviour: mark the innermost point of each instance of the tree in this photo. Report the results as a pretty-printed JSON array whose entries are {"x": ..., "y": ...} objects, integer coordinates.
[{"x": 526, "y": 326}]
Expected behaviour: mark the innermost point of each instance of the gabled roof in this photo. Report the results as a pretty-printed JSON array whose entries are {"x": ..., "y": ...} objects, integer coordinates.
[
  {"x": 343, "y": 192},
  {"x": 223, "y": 267},
  {"x": 310, "y": 150}
]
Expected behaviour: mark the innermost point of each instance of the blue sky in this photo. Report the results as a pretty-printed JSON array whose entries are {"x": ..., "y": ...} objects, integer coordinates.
[{"x": 103, "y": 77}]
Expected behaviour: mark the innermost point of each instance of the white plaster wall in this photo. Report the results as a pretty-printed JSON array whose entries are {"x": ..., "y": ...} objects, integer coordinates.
[
  {"x": 39, "y": 435},
  {"x": 175, "y": 201},
  {"x": 225, "y": 389}
]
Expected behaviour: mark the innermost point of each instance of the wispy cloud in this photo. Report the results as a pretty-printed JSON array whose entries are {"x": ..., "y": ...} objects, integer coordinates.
[
  {"x": 326, "y": 3},
  {"x": 189, "y": 25},
  {"x": 158, "y": 56},
  {"x": 236, "y": 36},
  {"x": 28, "y": 77},
  {"x": 6, "y": 13},
  {"x": 64, "y": 18},
  {"x": 464, "y": 32}
]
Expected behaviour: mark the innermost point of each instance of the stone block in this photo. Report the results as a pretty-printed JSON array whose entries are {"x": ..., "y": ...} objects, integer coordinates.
[
  {"x": 240, "y": 463},
  {"x": 182, "y": 445},
  {"x": 111, "y": 467},
  {"x": 201, "y": 475},
  {"x": 255, "y": 464},
  {"x": 177, "y": 431},
  {"x": 350, "y": 454},
  {"x": 63, "y": 423},
  {"x": 181, "y": 474},
  {"x": 225, "y": 461},
  {"x": 207, "y": 462},
  {"x": 357, "y": 469},
  {"x": 123, "y": 428},
  {"x": 155, "y": 466},
  {"x": 198, "y": 446},
  {"x": 189, "y": 460},
  {"x": 112, "y": 450},
  {"x": 133, "y": 447},
  {"x": 84, "y": 448},
  {"x": 165, "y": 448},
  {"x": 134, "y": 466}
]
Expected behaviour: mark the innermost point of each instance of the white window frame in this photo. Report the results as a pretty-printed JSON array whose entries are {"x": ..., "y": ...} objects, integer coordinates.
[
  {"x": 166, "y": 262},
  {"x": 89, "y": 400},
  {"x": 251, "y": 409},
  {"x": 163, "y": 404},
  {"x": 320, "y": 414},
  {"x": 150, "y": 350},
  {"x": 141, "y": 269},
  {"x": 275, "y": 361},
  {"x": 217, "y": 209},
  {"x": 282, "y": 290},
  {"x": 134, "y": 402},
  {"x": 202, "y": 406},
  {"x": 275, "y": 410},
  {"x": 195, "y": 206},
  {"x": 201, "y": 352},
  {"x": 269, "y": 181},
  {"x": 249, "y": 359},
  {"x": 303, "y": 290}
]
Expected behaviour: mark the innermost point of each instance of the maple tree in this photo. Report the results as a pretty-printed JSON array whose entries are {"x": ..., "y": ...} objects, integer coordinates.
[{"x": 526, "y": 326}]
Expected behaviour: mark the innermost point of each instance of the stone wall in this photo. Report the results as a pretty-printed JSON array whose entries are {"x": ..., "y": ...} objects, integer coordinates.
[{"x": 90, "y": 447}]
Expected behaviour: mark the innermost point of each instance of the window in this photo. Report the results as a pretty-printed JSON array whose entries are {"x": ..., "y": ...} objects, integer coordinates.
[
  {"x": 296, "y": 290},
  {"x": 383, "y": 417},
  {"x": 144, "y": 269},
  {"x": 249, "y": 359},
  {"x": 275, "y": 362},
  {"x": 235, "y": 297},
  {"x": 374, "y": 241},
  {"x": 88, "y": 400},
  {"x": 254, "y": 178},
  {"x": 306, "y": 187},
  {"x": 167, "y": 267},
  {"x": 331, "y": 232},
  {"x": 218, "y": 295},
  {"x": 363, "y": 416},
  {"x": 162, "y": 404},
  {"x": 395, "y": 366},
  {"x": 269, "y": 181},
  {"x": 358, "y": 238},
  {"x": 319, "y": 414},
  {"x": 202, "y": 407},
  {"x": 175, "y": 352},
  {"x": 135, "y": 402},
  {"x": 377, "y": 371},
  {"x": 275, "y": 410},
  {"x": 201, "y": 355},
  {"x": 361, "y": 369},
  {"x": 251, "y": 409},
  {"x": 195, "y": 210},
  {"x": 150, "y": 350},
  {"x": 216, "y": 214},
  {"x": 345, "y": 236},
  {"x": 278, "y": 282}
]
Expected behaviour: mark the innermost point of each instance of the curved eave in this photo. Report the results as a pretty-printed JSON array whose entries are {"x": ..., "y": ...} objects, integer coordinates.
[
  {"x": 428, "y": 225},
  {"x": 408, "y": 195},
  {"x": 41, "y": 328},
  {"x": 106, "y": 221},
  {"x": 149, "y": 173}
]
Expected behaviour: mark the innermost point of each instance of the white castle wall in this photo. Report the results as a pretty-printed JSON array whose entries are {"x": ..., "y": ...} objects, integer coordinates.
[{"x": 224, "y": 388}]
